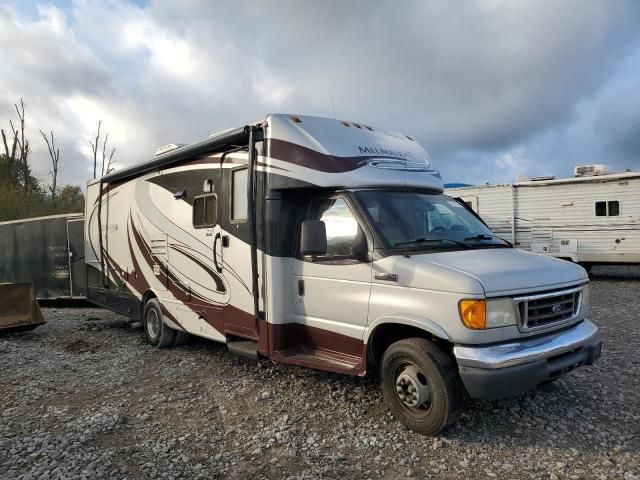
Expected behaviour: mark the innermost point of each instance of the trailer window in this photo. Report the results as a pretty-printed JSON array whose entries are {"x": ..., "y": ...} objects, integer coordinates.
[
  {"x": 239, "y": 195},
  {"x": 205, "y": 211},
  {"x": 608, "y": 209}
]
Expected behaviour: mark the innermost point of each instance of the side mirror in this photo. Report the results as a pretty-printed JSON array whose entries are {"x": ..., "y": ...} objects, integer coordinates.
[{"x": 313, "y": 240}]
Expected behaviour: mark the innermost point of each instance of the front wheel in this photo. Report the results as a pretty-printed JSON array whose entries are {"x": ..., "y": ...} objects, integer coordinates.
[{"x": 421, "y": 386}]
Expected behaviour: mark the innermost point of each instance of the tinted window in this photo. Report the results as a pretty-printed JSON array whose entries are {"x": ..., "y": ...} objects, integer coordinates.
[
  {"x": 614, "y": 208},
  {"x": 341, "y": 226},
  {"x": 601, "y": 209},
  {"x": 205, "y": 209},
  {"x": 239, "y": 195}
]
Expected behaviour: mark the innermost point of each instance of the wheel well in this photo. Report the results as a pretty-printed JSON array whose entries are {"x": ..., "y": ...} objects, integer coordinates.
[
  {"x": 387, "y": 333},
  {"x": 148, "y": 295}
]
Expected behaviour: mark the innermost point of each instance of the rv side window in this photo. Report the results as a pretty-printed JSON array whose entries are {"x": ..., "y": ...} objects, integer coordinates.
[
  {"x": 239, "y": 195},
  {"x": 205, "y": 211},
  {"x": 608, "y": 209}
]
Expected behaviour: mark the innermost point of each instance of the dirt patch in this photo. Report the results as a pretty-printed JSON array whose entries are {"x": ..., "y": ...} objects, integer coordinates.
[{"x": 81, "y": 346}]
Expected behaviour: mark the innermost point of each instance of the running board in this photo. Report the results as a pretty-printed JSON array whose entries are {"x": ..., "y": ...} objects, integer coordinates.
[
  {"x": 244, "y": 348},
  {"x": 321, "y": 360}
]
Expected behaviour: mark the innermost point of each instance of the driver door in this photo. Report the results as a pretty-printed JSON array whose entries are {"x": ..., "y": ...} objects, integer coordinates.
[{"x": 332, "y": 291}]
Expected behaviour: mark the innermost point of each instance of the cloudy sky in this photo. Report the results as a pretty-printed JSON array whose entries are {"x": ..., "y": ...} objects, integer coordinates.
[{"x": 491, "y": 88}]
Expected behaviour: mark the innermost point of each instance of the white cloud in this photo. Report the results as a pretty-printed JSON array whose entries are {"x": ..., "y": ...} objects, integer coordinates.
[{"x": 492, "y": 88}]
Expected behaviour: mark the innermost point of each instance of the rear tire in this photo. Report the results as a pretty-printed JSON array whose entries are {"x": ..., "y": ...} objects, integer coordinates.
[
  {"x": 156, "y": 331},
  {"x": 587, "y": 267},
  {"x": 421, "y": 386},
  {"x": 181, "y": 338}
]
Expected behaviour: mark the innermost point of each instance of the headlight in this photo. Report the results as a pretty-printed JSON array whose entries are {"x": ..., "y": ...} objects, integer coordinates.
[
  {"x": 481, "y": 314},
  {"x": 584, "y": 300},
  {"x": 501, "y": 312}
]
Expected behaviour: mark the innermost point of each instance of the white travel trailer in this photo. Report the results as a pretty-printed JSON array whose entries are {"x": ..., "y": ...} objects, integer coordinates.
[
  {"x": 329, "y": 244},
  {"x": 593, "y": 218}
]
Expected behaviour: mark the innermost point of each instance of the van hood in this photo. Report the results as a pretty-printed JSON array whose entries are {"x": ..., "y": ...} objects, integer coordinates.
[{"x": 504, "y": 270}]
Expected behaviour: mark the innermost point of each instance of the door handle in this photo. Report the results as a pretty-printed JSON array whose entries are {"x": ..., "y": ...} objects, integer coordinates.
[
  {"x": 301, "y": 288},
  {"x": 215, "y": 252},
  {"x": 387, "y": 277}
]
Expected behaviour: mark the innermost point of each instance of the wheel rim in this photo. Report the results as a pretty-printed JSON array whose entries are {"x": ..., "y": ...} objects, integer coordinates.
[
  {"x": 153, "y": 323},
  {"x": 412, "y": 388}
]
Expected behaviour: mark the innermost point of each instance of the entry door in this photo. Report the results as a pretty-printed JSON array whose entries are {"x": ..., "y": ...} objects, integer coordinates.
[
  {"x": 77, "y": 268},
  {"x": 332, "y": 292},
  {"x": 234, "y": 247}
]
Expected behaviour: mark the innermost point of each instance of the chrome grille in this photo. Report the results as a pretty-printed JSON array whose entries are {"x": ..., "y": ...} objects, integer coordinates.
[{"x": 546, "y": 309}]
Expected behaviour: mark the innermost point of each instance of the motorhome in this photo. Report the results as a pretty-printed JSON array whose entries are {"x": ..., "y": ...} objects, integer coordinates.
[
  {"x": 592, "y": 218},
  {"x": 329, "y": 244}
]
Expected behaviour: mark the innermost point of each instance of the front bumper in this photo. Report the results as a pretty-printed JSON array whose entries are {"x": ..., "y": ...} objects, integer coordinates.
[{"x": 507, "y": 369}]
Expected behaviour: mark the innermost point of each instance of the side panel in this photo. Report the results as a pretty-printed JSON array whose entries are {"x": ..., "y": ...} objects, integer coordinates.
[
  {"x": 36, "y": 251},
  {"x": 150, "y": 245},
  {"x": 559, "y": 219},
  {"x": 493, "y": 204}
]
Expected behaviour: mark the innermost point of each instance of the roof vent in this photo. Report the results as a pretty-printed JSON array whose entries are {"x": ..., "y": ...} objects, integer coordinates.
[
  {"x": 591, "y": 170},
  {"x": 542, "y": 178},
  {"x": 168, "y": 148}
]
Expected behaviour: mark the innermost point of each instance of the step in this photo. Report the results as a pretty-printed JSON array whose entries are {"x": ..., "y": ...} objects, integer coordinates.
[
  {"x": 244, "y": 348},
  {"x": 320, "y": 359}
]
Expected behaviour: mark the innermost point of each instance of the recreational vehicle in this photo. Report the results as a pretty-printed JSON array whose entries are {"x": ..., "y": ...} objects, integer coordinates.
[
  {"x": 330, "y": 244},
  {"x": 47, "y": 252},
  {"x": 592, "y": 218}
]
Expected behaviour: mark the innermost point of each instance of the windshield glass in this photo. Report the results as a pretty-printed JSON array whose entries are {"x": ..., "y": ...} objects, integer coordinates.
[{"x": 422, "y": 220}]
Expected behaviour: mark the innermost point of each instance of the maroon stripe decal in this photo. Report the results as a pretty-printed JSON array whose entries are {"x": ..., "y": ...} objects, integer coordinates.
[
  {"x": 136, "y": 278},
  {"x": 306, "y": 157},
  {"x": 211, "y": 313}
]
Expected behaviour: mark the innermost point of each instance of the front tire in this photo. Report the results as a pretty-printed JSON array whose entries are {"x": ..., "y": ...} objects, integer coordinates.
[
  {"x": 421, "y": 386},
  {"x": 156, "y": 331}
]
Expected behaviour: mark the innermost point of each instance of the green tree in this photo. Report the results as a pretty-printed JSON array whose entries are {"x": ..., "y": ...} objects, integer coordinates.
[{"x": 70, "y": 200}]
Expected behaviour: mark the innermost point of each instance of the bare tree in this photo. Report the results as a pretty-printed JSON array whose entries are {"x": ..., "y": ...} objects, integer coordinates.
[
  {"x": 94, "y": 148},
  {"x": 107, "y": 160},
  {"x": 10, "y": 156},
  {"x": 20, "y": 145},
  {"x": 55, "y": 158},
  {"x": 109, "y": 166}
]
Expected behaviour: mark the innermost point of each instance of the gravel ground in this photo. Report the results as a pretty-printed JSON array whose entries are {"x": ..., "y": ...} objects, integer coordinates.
[{"x": 84, "y": 397}]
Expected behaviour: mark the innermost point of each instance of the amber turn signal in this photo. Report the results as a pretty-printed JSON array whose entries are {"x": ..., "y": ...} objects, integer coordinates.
[{"x": 473, "y": 313}]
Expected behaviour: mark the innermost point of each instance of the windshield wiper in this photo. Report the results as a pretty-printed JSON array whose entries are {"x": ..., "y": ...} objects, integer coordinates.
[
  {"x": 431, "y": 240},
  {"x": 483, "y": 236}
]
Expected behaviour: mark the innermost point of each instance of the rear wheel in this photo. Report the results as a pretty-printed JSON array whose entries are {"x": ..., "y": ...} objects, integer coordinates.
[
  {"x": 421, "y": 386},
  {"x": 181, "y": 338},
  {"x": 156, "y": 331},
  {"x": 586, "y": 266}
]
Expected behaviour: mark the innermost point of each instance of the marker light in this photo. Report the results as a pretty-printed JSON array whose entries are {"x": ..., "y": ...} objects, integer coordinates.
[
  {"x": 473, "y": 313},
  {"x": 494, "y": 313}
]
